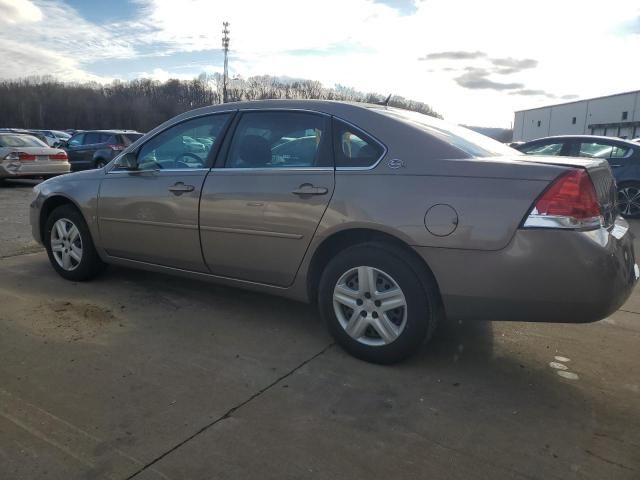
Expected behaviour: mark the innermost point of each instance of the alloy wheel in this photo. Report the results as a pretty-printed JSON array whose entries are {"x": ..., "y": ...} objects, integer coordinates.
[
  {"x": 66, "y": 244},
  {"x": 629, "y": 200},
  {"x": 370, "y": 306}
]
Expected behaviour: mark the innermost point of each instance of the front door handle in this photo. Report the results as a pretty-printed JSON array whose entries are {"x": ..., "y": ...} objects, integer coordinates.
[
  {"x": 309, "y": 189},
  {"x": 615, "y": 165},
  {"x": 180, "y": 188}
]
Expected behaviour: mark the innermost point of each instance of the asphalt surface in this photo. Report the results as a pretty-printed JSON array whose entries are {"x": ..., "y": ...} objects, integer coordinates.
[{"x": 143, "y": 376}]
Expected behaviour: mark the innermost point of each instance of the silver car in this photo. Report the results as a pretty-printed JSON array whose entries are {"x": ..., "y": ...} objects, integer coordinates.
[
  {"x": 24, "y": 156},
  {"x": 390, "y": 221}
]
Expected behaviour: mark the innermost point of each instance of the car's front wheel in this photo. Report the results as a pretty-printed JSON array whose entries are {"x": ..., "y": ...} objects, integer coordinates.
[
  {"x": 629, "y": 199},
  {"x": 70, "y": 246},
  {"x": 376, "y": 305}
]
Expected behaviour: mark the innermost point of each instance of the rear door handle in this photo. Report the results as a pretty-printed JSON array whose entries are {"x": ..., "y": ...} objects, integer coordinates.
[
  {"x": 309, "y": 189},
  {"x": 615, "y": 165},
  {"x": 180, "y": 188}
]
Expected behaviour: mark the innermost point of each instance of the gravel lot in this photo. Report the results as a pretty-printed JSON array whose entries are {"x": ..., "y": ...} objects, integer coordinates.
[{"x": 137, "y": 375}]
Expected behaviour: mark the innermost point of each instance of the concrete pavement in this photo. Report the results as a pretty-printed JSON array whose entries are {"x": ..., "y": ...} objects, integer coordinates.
[{"x": 145, "y": 376}]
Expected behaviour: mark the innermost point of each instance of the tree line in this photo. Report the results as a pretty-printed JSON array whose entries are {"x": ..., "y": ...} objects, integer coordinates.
[{"x": 44, "y": 102}]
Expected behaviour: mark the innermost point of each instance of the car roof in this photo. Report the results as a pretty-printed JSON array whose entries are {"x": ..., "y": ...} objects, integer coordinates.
[{"x": 584, "y": 137}]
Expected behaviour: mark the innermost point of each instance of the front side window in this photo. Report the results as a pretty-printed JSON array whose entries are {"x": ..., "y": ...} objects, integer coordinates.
[
  {"x": 542, "y": 149},
  {"x": 353, "y": 148},
  {"x": 177, "y": 147},
  {"x": 278, "y": 140},
  {"x": 76, "y": 140},
  {"x": 595, "y": 150}
]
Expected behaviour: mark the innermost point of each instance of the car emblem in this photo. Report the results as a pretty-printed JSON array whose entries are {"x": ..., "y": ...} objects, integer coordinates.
[{"x": 395, "y": 163}]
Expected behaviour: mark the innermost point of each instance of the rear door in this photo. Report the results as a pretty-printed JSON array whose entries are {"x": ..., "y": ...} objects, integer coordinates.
[
  {"x": 151, "y": 214},
  {"x": 261, "y": 207}
]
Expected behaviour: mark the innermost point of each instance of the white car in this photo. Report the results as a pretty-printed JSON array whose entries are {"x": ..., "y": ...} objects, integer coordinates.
[
  {"x": 24, "y": 156},
  {"x": 53, "y": 137}
]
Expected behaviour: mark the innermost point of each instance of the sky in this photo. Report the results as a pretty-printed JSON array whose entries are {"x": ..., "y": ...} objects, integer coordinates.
[{"x": 475, "y": 62}]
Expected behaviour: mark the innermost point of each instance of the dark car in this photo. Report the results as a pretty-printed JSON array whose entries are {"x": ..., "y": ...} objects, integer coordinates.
[
  {"x": 623, "y": 157},
  {"x": 95, "y": 148}
]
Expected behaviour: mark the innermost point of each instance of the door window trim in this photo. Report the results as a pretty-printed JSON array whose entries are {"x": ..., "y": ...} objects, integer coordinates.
[{"x": 211, "y": 158}]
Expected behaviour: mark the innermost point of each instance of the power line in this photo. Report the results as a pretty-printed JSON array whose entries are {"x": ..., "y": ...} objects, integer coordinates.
[{"x": 225, "y": 46}]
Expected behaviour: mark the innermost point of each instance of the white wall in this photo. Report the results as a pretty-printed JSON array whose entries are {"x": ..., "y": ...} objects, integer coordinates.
[{"x": 557, "y": 119}]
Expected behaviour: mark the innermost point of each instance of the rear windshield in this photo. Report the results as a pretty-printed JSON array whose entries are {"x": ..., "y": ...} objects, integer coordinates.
[
  {"x": 20, "y": 141},
  {"x": 470, "y": 142}
]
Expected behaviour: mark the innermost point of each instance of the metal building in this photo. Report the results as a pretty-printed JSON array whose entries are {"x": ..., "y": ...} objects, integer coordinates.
[{"x": 612, "y": 116}]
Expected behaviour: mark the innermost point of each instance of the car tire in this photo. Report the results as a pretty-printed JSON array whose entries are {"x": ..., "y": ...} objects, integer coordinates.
[
  {"x": 100, "y": 163},
  {"x": 358, "y": 318},
  {"x": 629, "y": 199},
  {"x": 69, "y": 245}
]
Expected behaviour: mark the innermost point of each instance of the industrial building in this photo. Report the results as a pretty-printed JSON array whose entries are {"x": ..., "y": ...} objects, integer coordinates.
[{"x": 612, "y": 116}]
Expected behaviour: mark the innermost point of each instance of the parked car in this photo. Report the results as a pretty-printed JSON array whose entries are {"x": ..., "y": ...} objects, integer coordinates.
[
  {"x": 392, "y": 222},
  {"x": 95, "y": 148},
  {"x": 53, "y": 138},
  {"x": 24, "y": 156},
  {"x": 21, "y": 131},
  {"x": 623, "y": 157}
]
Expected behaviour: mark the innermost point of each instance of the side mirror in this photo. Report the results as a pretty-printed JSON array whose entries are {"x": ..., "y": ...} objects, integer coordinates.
[{"x": 128, "y": 161}]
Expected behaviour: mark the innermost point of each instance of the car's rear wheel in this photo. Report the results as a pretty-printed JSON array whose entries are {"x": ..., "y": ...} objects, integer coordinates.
[
  {"x": 70, "y": 246},
  {"x": 376, "y": 305},
  {"x": 629, "y": 199}
]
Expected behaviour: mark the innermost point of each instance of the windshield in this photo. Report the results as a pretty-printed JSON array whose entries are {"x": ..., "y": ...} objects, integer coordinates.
[
  {"x": 468, "y": 141},
  {"x": 20, "y": 141}
]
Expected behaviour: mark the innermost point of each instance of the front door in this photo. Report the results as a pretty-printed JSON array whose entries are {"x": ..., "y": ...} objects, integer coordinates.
[
  {"x": 150, "y": 214},
  {"x": 260, "y": 210}
]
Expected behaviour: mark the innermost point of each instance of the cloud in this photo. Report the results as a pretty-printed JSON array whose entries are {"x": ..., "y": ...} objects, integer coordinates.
[
  {"x": 19, "y": 11},
  {"x": 532, "y": 92},
  {"x": 453, "y": 55},
  {"x": 512, "y": 65},
  {"x": 477, "y": 79}
]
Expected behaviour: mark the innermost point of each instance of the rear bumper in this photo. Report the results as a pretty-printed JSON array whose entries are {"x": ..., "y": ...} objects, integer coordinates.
[
  {"x": 543, "y": 275},
  {"x": 34, "y": 170}
]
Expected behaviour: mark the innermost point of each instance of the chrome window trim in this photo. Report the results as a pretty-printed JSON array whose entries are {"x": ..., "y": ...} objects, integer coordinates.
[
  {"x": 274, "y": 169},
  {"x": 284, "y": 109},
  {"x": 157, "y": 170},
  {"x": 385, "y": 150}
]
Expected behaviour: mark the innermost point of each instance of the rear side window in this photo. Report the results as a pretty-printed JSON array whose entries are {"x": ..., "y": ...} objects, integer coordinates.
[
  {"x": 595, "y": 150},
  {"x": 353, "y": 148},
  {"x": 542, "y": 149}
]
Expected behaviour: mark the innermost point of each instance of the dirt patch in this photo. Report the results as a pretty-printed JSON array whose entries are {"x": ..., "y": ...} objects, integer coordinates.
[{"x": 69, "y": 321}]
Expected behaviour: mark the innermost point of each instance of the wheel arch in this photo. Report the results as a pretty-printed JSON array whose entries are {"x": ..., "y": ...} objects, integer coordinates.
[
  {"x": 353, "y": 236},
  {"x": 49, "y": 205}
]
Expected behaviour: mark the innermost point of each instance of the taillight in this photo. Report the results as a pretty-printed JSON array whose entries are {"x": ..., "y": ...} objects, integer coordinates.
[
  {"x": 59, "y": 156},
  {"x": 117, "y": 148},
  {"x": 22, "y": 156},
  {"x": 570, "y": 202}
]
